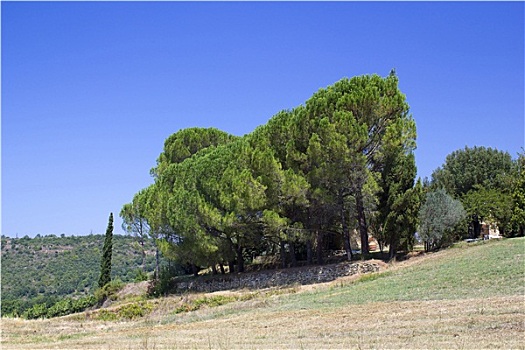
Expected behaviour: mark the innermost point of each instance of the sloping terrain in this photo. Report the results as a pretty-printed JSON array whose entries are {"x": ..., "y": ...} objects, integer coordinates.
[
  {"x": 48, "y": 268},
  {"x": 466, "y": 297}
]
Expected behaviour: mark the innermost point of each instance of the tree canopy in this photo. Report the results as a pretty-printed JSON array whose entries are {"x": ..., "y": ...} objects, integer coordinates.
[
  {"x": 107, "y": 252},
  {"x": 294, "y": 186},
  {"x": 486, "y": 180},
  {"x": 470, "y": 168}
]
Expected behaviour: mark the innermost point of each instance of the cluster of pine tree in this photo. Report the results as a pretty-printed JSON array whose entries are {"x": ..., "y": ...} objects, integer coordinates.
[{"x": 341, "y": 162}]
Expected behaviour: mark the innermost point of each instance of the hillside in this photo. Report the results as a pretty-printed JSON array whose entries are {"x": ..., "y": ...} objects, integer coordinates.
[
  {"x": 470, "y": 296},
  {"x": 48, "y": 268}
]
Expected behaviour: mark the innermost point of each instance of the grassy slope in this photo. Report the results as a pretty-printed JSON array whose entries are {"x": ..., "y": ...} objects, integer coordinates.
[{"x": 469, "y": 297}]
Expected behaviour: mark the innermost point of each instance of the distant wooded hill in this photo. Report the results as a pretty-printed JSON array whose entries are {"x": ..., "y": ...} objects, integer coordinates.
[{"x": 48, "y": 268}]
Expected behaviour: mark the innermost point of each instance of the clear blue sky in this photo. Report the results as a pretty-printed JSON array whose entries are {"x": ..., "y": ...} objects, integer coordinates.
[{"x": 91, "y": 90}]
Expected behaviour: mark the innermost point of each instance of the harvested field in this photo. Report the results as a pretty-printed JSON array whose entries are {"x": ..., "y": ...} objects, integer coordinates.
[{"x": 470, "y": 297}]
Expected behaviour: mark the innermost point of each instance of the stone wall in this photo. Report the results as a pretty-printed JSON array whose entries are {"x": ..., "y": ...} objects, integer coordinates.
[{"x": 276, "y": 278}]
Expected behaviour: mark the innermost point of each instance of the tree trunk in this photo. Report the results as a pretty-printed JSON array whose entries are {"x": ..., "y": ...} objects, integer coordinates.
[
  {"x": 283, "y": 254},
  {"x": 221, "y": 267},
  {"x": 361, "y": 221},
  {"x": 195, "y": 270},
  {"x": 231, "y": 266},
  {"x": 214, "y": 269},
  {"x": 143, "y": 255},
  {"x": 309, "y": 252},
  {"x": 293, "y": 260},
  {"x": 346, "y": 234},
  {"x": 319, "y": 248},
  {"x": 240, "y": 258},
  {"x": 477, "y": 226},
  {"x": 157, "y": 262},
  {"x": 392, "y": 250}
]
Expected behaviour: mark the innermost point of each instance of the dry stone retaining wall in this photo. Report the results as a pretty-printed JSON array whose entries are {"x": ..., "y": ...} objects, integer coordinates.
[{"x": 276, "y": 278}]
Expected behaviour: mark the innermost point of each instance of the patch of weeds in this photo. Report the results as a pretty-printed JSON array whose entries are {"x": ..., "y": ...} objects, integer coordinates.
[
  {"x": 129, "y": 311},
  {"x": 134, "y": 310},
  {"x": 106, "y": 315},
  {"x": 109, "y": 291},
  {"x": 214, "y": 301},
  {"x": 373, "y": 276}
]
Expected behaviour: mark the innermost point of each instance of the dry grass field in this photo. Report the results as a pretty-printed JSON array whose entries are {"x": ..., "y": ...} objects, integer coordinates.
[{"x": 471, "y": 297}]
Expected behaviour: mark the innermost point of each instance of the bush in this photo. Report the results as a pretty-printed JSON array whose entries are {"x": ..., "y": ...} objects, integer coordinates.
[
  {"x": 61, "y": 308},
  {"x": 164, "y": 283},
  {"x": 109, "y": 291},
  {"x": 438, "y": 216},
  {"x": 106, "y": 315},
  {"x": 37, "y": 311},
  {"x": 209, "y": 302},
  {"x": 126, "y": 312},
  {"x": 84, "y": 303},
  {"x": 134, "y": 310},
  {"x": 140, "y": 276}
]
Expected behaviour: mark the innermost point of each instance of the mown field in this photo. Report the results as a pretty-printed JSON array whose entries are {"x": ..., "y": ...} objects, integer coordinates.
[{"x": 468, "y": 297}]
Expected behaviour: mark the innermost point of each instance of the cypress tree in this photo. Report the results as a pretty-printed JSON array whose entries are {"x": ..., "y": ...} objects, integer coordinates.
[{"x": 105, "y": 264}]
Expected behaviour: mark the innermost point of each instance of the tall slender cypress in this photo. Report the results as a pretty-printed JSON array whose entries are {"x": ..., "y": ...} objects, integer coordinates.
[{"x": 105, "y": 264}]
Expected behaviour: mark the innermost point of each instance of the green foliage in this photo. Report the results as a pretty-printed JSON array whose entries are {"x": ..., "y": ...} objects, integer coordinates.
[
  {"x": 478, "y": 166},
  {"x": 438, "y": 215},
  {"x": 310, "y": 172},
  {"x": 69, "y": 306},
  {"x": 37, "y": 311},
  {"x": 484, "y": 180},
  {"x": 134, "y": 221},
  {"x": 48, "y": 269},
  {"x": 399, "y": 202},
  {"x": 109, "y": 291},
  {"x": 491, "y": 205},
  {"x": 187, "y": 142},
  {"x": 125, "y": 312},
  {"x": 164, "y": 283},
  {"x": 107, "y": 251},
  {"x": 134, "y": 310},
  {"x": 140, "y": 276},
  {"x": 106, "y": 315},
  {"x": 60, "y": 308},
  {"x": 517, "y": 220},
  {"x": 199, "y": 303}
]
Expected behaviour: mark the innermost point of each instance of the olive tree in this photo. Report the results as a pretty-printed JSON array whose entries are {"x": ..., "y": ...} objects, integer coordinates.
[{"x": 438, "y": 215}]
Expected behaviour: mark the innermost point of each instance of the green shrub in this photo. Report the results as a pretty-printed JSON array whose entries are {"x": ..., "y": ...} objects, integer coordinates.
[
  {"x": 109, "y": 291},
  {"x": 134, "y": 310},
  {"x": 37, "y": 311},
  {"x": 106, "y": 315},
  {"x": 61, "y": 308},
  {"x": 210, "y": 302},
  {"x": 140, "y": 275},
  {"x": 84, "y": 303},
  {"x": 164, "y": 283}
]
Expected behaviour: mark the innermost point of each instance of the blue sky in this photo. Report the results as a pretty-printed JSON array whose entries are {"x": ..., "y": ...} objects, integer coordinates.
[{"x": 90, "y": 90}]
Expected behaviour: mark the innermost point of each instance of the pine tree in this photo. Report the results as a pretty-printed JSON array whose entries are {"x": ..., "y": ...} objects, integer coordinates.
[{"x": 105, "y": 264}]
